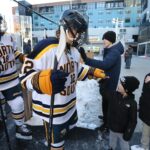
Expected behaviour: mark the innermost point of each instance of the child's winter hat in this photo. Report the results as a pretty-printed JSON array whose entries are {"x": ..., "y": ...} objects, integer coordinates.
[
  {"x": 110, "y": 36},
  {"x": 130, "y": 83}
]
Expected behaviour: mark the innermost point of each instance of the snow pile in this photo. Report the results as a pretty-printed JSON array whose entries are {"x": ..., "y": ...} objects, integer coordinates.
[
  {"x": 88, "y": 104},
  {"x": 136, "y": 147}
]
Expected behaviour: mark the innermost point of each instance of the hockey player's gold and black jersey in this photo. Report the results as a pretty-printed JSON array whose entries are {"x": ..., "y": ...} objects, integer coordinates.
[
  {"x": 42, "y": 58},
  {"x": 8, "y": 70}
]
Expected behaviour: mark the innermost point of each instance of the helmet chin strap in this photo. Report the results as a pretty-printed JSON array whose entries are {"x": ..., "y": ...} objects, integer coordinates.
[
  {"x": 68, "y": 36},
  {"x": 74, "y": 40}
]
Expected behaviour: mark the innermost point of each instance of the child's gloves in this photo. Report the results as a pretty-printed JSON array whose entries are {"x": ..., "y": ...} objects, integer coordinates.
[
  {"x": 49, "y": 82},
  {"x": 98, "y": 73}
]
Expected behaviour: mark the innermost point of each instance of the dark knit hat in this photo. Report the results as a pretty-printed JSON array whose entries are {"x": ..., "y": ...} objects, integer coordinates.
[
  {"x": 110, "y": 36},
  {"x": 130, "y": 83}
]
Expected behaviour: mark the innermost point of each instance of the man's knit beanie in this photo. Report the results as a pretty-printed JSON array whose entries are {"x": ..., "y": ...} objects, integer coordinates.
[{"x": 110, "y": 36}]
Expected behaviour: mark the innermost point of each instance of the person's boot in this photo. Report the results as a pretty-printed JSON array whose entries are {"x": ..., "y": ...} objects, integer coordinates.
[{"x": 23, "y": 132}]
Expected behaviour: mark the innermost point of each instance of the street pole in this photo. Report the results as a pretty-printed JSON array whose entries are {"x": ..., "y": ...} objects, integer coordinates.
[
  {"x": 117, "y": 22},
  {"x": 71, "y": 4}
]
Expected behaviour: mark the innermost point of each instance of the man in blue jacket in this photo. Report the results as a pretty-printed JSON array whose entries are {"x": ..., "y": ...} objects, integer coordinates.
[{"x": 111, "y": 64}]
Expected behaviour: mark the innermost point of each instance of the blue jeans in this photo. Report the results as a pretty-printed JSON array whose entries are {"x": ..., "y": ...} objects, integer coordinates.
[
  {"x": 128, "y": 62},
  {"x": 114, "y": 138}
]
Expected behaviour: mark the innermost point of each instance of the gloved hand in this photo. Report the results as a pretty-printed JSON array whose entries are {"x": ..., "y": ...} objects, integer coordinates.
[
  {"x": 83, "y": 54},
  {"x": 58, "y": 79},
  {"x": 49, "y": 81},
  {"x": 98, "y": 73},
  {"x": 127, "y": 135},
  {"x": 22, "y": 57}
]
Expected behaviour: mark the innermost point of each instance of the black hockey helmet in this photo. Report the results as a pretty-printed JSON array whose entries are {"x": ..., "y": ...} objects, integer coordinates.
[{"x": 74, "y": 20}]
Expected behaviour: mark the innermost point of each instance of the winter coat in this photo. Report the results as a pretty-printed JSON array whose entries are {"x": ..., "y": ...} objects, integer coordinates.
[
  {"x": 144, "y": 103},
  {"x": 111, "y": 64},
  {"x": 122, "y": 113},
  {"x": 128, "y": 54}
]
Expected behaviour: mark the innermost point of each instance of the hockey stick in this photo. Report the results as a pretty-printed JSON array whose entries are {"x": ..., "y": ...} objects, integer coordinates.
[
  {"x": 50, "y": 128},
  {"x": 5, "y": 127},
  {"x": 60, "y": 50},
  {"x": 29, "y": 9}
]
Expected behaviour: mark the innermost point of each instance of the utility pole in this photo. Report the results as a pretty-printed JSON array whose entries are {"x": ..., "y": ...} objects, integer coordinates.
[{"x": 117, "y": 22}]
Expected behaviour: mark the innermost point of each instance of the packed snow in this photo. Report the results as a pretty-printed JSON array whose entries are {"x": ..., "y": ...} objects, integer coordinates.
[{"x": 88, "y": 104}]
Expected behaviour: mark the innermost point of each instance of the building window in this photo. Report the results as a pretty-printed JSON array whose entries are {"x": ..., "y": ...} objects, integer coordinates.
[
  {"x": 123, "y": 31},
  {"x": 108, "y": 12},
  {"x": 138, "y": 2},
  {"x": 120, "y": 12},
  {"x": 100, "y": 12},
  {"x": 100, "y": 21},
  {"x": 120, "y": 4},
  {"x": 108, "y": 21},
  {"x": 57, "y": 16},
  {"x": 127, "y": 20},
  {"x": 110, "y": 5},
  {"x": 90, "y": 14},
  {"x": 138, "y": 20},
  {"x": 36, "y": 24},
  {"x": 46, "y": 9},
  {"x": 82, "y": 6},
  {"x": 101, "y": 5},
  {"x": 139, "y": 11},
  {"x": 90, "y": 21},
  {"x": 128, "y": 11},
  {"x": 35, "y": 17}
]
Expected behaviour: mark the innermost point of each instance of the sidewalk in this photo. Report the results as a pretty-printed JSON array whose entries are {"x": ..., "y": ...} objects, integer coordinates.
[{"x": 80, "y": 139}]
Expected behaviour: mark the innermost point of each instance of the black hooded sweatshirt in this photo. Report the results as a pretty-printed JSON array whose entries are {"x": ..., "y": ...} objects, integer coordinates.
[{"x": 144, "y": 104}]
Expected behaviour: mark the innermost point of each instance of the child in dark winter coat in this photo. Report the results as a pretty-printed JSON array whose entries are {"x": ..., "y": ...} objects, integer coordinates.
[
  {"x": 144, "y": 112},
  {"x": 122, "y": 112}
]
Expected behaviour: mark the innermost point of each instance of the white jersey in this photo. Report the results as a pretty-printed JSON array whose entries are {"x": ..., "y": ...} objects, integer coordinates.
[
  {"x": 8, "y": 70},
  {"x": 42, "y": 58}
]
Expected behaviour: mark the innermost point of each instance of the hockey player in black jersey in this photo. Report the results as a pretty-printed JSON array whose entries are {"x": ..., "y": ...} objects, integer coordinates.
[{"x": 9, "y": 80}]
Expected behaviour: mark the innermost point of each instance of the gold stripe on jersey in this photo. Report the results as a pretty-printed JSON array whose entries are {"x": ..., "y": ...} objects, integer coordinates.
[
  {"x": 56, "y": 110},
  {"x": 9, "y": 77},
  {"x": 83, "y": 74},
  {"x": 18, "y": 116},
  {"x": 45, "y": 50},
  {"x": 17, "y": 53}
]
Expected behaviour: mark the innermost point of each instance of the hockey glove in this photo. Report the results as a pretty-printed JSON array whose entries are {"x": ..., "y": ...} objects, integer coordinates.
[
  {"x": 98, "y": 73},
  {"x": 22, "y": 57},
  {"x": 58, "y": 79},
  {"x": 48, "y": 81},
  {"x": 83, "y": 54}
]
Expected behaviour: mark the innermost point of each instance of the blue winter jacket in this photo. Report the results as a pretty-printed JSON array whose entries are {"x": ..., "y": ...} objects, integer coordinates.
[{"x": 111, "y": 64}]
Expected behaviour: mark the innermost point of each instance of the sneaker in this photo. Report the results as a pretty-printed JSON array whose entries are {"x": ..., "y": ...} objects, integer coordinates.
[{"x": 22, "y": 132}]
